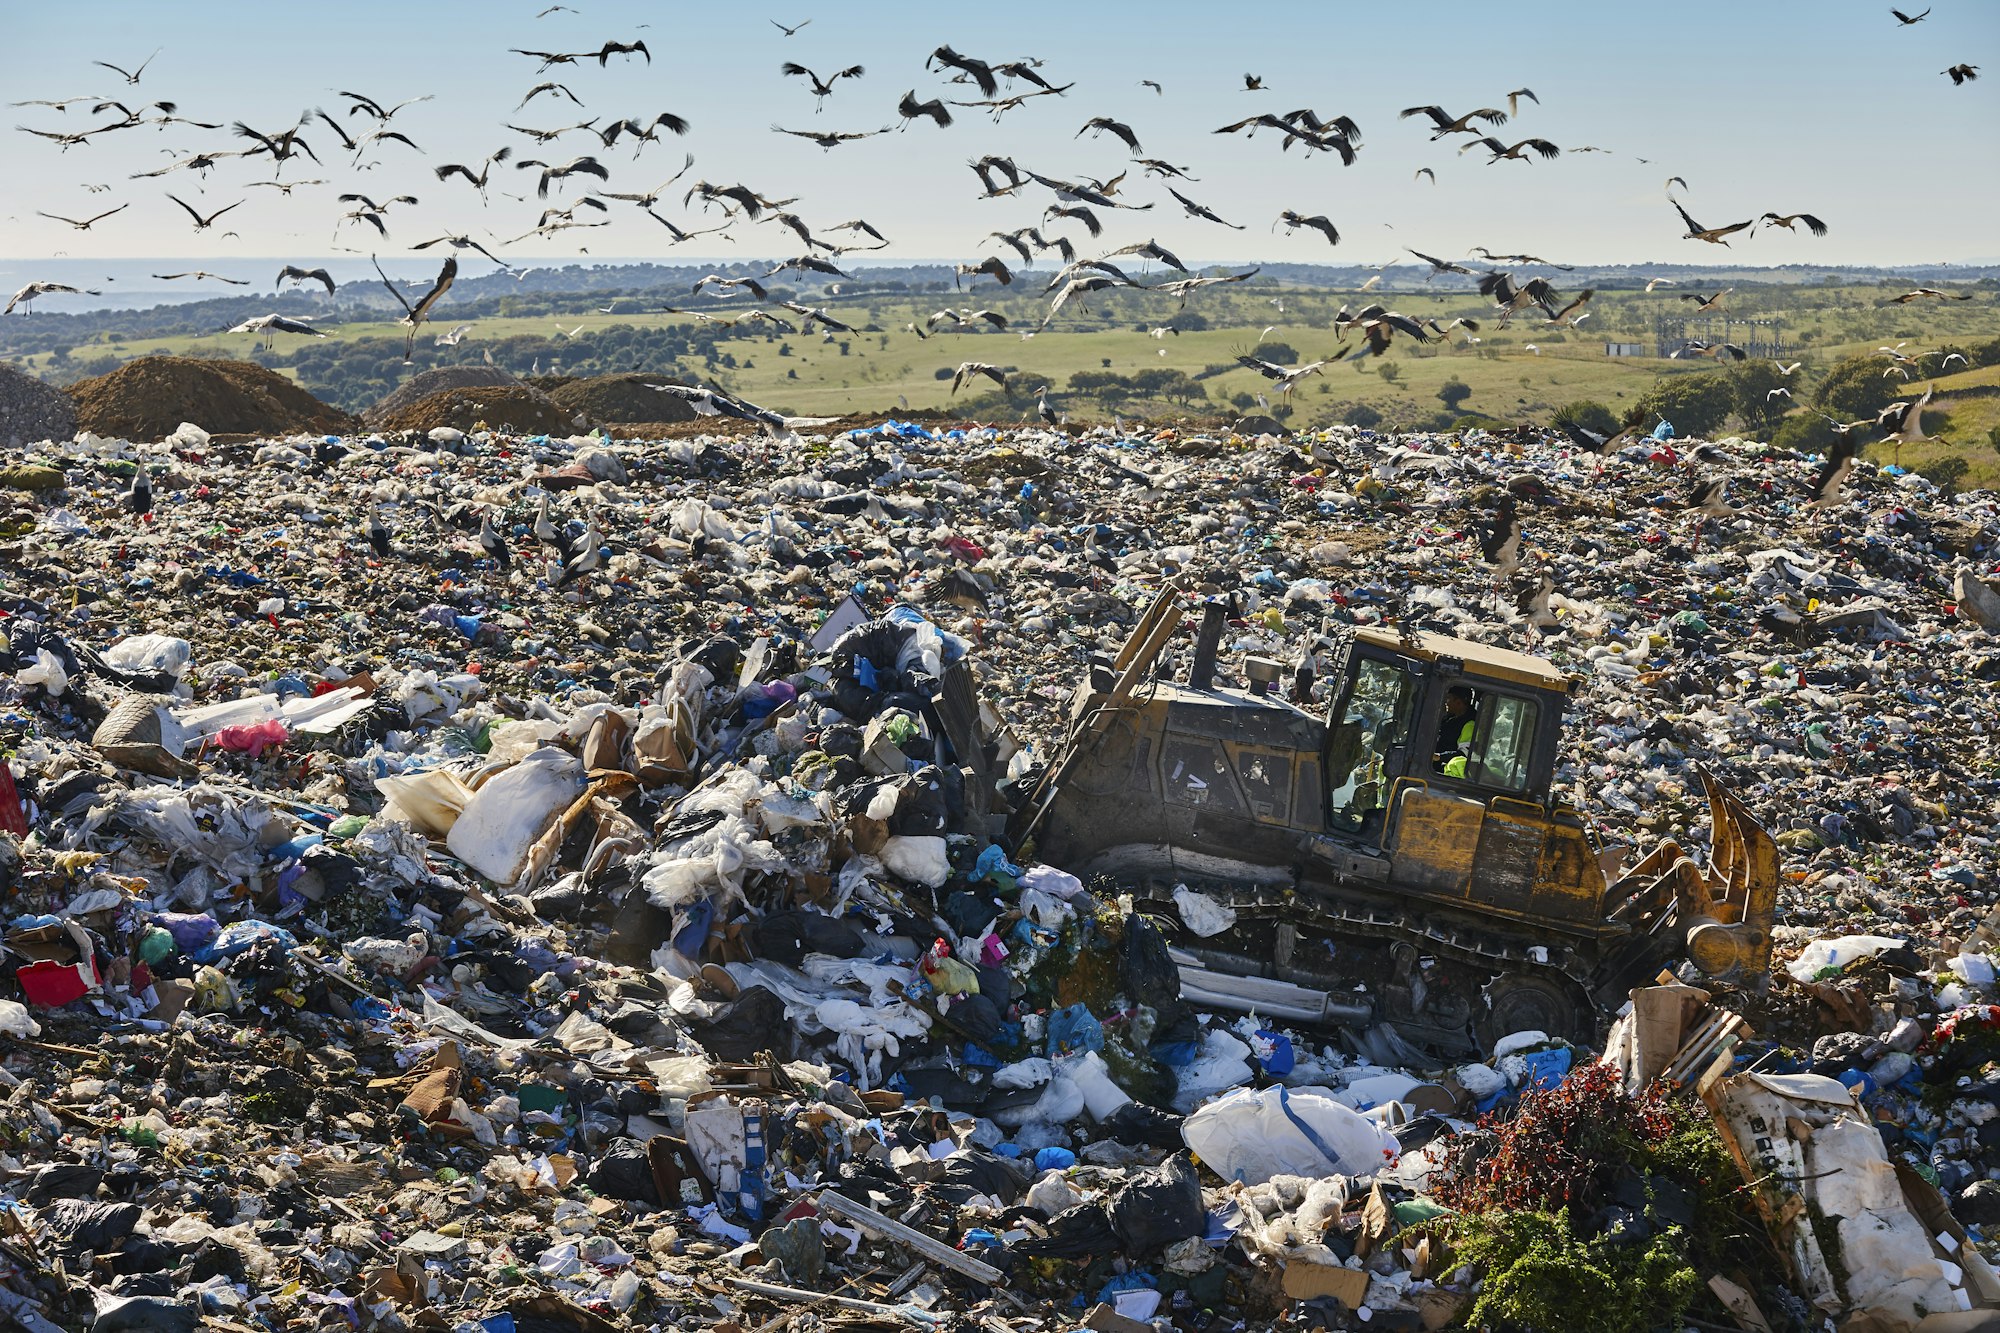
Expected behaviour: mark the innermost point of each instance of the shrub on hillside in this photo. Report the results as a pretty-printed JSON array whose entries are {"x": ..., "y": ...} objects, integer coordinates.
[
  {"x": 1805, "y": 433},
  {"x": 1752, "y": 382},
  {"x": 1697, "y": 405},
  {"x": 1590, "y": 415},
  {"x": 1857, "y": 388}
]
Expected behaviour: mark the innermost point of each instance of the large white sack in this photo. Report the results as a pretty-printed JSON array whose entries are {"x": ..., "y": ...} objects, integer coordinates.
[
  {"x": 1251, "y": 1135},
  {"x": 505, "y": 817}
]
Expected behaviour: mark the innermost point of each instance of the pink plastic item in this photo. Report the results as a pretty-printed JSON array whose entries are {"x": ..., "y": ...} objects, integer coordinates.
[{"x": 253, "y": 738}]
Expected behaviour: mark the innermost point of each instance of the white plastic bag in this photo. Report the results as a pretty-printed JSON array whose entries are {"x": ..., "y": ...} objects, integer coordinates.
[
  {"x": 16, "y": 1022},
  {"x": 1201, "y": 913},
  {"x": 504, "y": 818},
  {"x": 1223, "y": 1062},
  {"x": 1101, "y": 1097},
  {"x": 1816, "y": 957},
  {"x": 921, "y": 860},
  {"x": 1251, "y": 1136},
  {"x": 149, "y": 654},
  {"x": 47, "y": 671}
]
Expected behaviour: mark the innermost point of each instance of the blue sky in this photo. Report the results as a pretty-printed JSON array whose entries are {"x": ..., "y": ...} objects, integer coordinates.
[{"x": 1821, "y": 105}]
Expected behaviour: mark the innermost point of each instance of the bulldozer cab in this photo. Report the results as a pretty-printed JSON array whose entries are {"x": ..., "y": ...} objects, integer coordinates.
[
  {"x": 1460, "y": 718},
  {"x": 1439, "y": 755}
]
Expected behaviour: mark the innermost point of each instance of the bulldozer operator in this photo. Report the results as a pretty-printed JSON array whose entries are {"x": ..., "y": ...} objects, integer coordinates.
[{"x": 1457, "y": 725}]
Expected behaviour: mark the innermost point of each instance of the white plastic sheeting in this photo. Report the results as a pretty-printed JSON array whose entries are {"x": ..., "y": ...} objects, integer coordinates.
[{"x": 1805, "y": 1137}]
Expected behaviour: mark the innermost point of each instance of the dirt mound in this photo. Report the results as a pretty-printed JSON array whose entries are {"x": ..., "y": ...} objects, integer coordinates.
[
  {"x": 437, "y": 380},
  {"x": 149, "y": 398},
  {"x": 508, "y": 407},
  {"x": 31, "y": 411},
  {"x": 622, "y": 399}
]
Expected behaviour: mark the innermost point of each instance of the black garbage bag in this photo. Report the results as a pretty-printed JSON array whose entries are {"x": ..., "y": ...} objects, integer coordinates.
[
  {"x": 926, "y": 1082},
  {"x": 922, "y": 810},
  {"x": 1147, "y": 1213},
  {"x": 1073, "y": 1234},
  {"x": 1138, "y": 1123},
  {"x": 143, "y": 1282},
  {"x": 82, "y": 1225},
  {"x": 853, "y": 699},
  {"x": 998, "y": 982},
  {"x": 622, "y": 1172},
  {"x": 787, "y": 937},
  {"x": 842, "y": 740},
  {"x": 977, "y": 1171},
  {"x": 1425, "y": 1129},
  {"x": 1155, "y": 1208},
  {"x": 1150, "y": 975},
  {"x": 977, "y": 1016},
  {"x": 965, "y": 911},
  {"x": 332, "y": 873},
  {"x": 145, "y": 1314},
  {"x": 878, "y": 643},
  {"x": 754, "y": 1021},
  {"x": 28, "y": 638},
  {"x": 60, "y": 1180},
  {"x": 721, "y": 655},
  {"x": 856, "y": 797}
]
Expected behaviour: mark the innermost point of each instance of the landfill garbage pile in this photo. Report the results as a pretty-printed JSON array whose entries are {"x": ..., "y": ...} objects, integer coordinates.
[
  {"x": 496, "y": 882},
  {"x": 510, "y": 406},
  {"x": 147, "y": 399},
  {"x": 31, "y": 409},
  {"x": 621, "y": 399},
  {"x": 427, "y": 382}
]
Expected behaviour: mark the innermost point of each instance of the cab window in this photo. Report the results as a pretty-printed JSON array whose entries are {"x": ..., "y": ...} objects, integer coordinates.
[
  {"x": 1375, "y": 720},
  {"x": 1504, "y": 742}
]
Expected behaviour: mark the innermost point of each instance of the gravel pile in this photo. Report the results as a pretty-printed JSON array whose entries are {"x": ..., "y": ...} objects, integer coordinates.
[
  {"x": 421, "y": 386},
  {"x": 31, "y": 410}
]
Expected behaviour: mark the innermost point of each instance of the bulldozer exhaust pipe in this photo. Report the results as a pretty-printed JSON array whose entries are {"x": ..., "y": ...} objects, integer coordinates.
[{"x": 1207, "y": 643}]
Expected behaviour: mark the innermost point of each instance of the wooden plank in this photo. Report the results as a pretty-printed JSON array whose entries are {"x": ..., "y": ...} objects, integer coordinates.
[
  {"x": 777, "y": 1292},
  {"x": 909, "y": 1238}
]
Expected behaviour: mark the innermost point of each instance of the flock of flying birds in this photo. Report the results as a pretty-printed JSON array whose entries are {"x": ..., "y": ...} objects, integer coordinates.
[{"x": 1075, "y": 215}]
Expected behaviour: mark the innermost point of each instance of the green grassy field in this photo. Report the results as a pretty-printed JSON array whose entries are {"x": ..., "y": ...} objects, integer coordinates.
[{"x": 1518, "y": 373}]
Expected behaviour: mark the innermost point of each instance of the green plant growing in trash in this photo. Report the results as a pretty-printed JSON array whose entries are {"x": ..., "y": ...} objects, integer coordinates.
[
  {"x": 1533, "y": 1193},
  {"x": 1540, "y": 1275}
]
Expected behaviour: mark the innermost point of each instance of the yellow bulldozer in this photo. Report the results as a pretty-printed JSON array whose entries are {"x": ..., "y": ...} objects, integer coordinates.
[{"x": 1398, "y": 857}]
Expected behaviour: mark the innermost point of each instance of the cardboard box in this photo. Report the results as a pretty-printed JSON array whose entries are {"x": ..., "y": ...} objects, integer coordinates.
[{"x": 1309, "y": 1281}]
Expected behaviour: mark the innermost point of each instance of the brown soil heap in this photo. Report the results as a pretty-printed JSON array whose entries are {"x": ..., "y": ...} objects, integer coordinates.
[
  {"x": 436, "y": 380},
  {"x": 149, "y": 398},
  {"x": 515, "y": 408},
  {"x": 621, "y": 399}
]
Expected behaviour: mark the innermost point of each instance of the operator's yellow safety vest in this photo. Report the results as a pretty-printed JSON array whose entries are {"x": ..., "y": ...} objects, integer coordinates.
[{"x": 1455, "y": 766}]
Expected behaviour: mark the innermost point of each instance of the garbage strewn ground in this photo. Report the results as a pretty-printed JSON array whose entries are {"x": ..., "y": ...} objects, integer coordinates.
[{"x": 490, "y": 882}]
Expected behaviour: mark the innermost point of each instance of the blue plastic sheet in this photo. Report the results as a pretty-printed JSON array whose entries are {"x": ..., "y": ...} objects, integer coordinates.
[
  {"x": 1074, "y": 1030},
  {"x": 994, "y": 861},
  {"x": 1281, "y": 1059},
  {"x": 1547, "y": 1069}
]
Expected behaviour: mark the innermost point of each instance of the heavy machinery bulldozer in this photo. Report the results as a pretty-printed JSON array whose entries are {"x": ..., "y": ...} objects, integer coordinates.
[{"x": 1396, "y": 858}]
